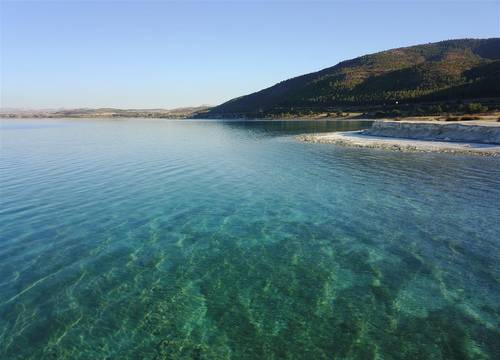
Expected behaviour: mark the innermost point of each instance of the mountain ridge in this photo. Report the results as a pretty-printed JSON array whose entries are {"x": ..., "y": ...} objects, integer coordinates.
[{"x": 449, "y": 70}]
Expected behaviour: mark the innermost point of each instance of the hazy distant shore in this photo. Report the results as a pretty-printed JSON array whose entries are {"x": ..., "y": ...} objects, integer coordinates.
[{"x": 177, "y": 113}]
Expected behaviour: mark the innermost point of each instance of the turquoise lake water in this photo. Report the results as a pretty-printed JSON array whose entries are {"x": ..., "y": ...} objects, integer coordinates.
[{"x": 161, "y": 239}]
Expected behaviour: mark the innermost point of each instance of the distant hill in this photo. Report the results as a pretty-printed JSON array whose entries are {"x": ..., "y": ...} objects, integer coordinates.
[
  {"x": 178, "y": 113},
  {"x": 450, "y": 70}
]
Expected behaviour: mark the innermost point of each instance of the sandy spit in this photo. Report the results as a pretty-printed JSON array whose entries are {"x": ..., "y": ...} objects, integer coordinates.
[{"x": 359, "y": 140}]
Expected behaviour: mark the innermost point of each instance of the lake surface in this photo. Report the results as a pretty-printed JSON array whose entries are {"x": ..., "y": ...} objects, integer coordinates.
[{"x": 161, "y": 239}]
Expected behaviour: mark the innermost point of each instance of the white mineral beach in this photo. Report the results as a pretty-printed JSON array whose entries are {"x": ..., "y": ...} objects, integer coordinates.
[{"x": 476, "y": 138}]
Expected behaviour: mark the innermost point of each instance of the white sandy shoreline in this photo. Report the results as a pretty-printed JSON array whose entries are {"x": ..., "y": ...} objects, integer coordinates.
[{"x": 359, "y": 140}]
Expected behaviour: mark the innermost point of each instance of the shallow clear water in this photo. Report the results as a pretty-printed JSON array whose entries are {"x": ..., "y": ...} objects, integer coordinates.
[{"x": 152, "y": 239}]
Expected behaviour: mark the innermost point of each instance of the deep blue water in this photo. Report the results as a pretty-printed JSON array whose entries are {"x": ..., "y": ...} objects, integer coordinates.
[{"x": 160, "y": 239}]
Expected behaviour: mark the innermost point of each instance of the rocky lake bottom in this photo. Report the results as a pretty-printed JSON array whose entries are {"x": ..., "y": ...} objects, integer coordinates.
[{"x": 165, "y": 239}]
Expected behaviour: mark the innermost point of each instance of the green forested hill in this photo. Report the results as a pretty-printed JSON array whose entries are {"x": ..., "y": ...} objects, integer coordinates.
[{"x": 447, "y": 70}]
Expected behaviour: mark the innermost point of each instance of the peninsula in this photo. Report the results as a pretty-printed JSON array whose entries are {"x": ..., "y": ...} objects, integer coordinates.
[{"x": 478, "y": 137}]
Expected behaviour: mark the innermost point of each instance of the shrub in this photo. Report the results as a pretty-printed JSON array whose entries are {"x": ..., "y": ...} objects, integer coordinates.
[
  {"x": 395, "y": 113},
  {"x": 436, "y": 109},
  {"x": 476, "y": 108},
  {"x": 419, "y": 111}
]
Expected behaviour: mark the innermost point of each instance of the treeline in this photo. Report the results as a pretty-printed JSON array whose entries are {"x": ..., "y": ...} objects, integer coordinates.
[{"x": 453, "y": 108}]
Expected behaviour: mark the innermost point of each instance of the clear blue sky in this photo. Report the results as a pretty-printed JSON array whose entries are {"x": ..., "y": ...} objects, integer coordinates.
[{"x": 143, "y": 54}]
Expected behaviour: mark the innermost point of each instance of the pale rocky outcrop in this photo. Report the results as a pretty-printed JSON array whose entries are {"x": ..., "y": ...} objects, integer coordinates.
[
  {"x": 485, "y": 134},
  {"x": 470, "y": 139}
]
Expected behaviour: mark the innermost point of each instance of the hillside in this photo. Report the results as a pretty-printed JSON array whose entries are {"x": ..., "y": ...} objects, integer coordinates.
[{"x": 452, "y": 70}]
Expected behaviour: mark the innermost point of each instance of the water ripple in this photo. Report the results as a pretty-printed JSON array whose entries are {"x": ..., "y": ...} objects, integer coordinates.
[{"x": 160, "y": 239}]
